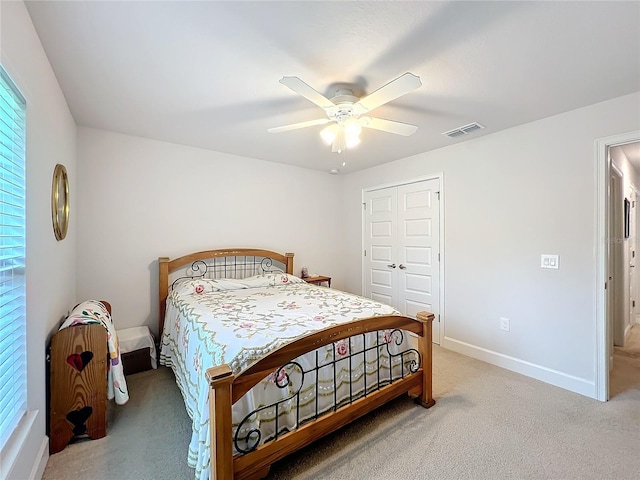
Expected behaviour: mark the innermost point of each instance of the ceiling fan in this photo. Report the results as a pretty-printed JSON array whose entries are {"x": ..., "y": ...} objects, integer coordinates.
[{"x": 345, "y": 111}]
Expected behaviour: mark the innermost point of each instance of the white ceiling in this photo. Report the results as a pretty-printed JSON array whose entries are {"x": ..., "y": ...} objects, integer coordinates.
[{"x": 206, "y": 73}]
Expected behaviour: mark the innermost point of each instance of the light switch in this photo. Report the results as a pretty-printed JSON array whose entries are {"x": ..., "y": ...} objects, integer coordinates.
[{"x": 549, "y": 261}]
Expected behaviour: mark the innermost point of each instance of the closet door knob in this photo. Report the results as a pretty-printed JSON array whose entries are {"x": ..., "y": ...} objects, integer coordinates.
[
  {"x": 393, "y": 265},
  {"x": 401, "y": 267}
]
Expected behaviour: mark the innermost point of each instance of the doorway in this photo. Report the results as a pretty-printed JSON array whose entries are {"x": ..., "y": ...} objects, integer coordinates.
[
  {"x": 403, "y": 247},
  {"x": 613, "y": 281},
  {"x": 615, "y": 261}
]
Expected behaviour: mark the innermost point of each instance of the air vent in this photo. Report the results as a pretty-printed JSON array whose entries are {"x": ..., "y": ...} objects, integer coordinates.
[
  {"x": 454, "y": 133},
  {"x": 464, "y": 130}
]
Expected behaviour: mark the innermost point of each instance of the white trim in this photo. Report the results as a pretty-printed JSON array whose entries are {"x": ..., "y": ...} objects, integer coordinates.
[
  {"x": 43, "y": 454},
  {"x": 544, "y": 374},
  {"x": 627, "y": 329},
  {"x": 440, "y": 177},
  {"x": 617, "y": 171},
  {"x": 13, "y": 448},
  {"x": 402, "y": 182},
  {"x": 442, "y": 256},
  {"x": 602, "y": 166}
]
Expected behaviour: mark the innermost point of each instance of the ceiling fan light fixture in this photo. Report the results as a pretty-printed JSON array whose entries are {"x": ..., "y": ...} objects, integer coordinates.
[
  {"x": 329, "y": 133},
  {"x": 352, "y": 141},
  {"x": 341, "y": 137},
  {"x": 339, "y": 144},
  {"x": 352, "y": 131},
  {"x": 352, "y": 128}
]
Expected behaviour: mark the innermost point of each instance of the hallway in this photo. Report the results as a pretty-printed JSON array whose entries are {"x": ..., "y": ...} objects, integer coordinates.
[{"x": 626, "y": 365}]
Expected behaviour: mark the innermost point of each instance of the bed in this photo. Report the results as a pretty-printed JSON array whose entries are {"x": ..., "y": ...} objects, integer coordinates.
[{"x": 267, "y": 363}]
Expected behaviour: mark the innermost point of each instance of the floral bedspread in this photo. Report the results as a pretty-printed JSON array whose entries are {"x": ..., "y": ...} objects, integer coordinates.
[{"x": 213, "y": 322}]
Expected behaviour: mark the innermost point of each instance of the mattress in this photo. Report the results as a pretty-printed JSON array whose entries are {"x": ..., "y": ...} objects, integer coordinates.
[{"x": 236, "y": 322}]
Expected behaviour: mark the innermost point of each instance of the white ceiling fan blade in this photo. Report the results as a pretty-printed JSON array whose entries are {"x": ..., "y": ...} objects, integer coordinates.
[
  {"x": 301, "y": 88},
  {"x": 390, "y": 126},
  {"x": 392, "y": 90},
  {"x": 294, "y": 126}
]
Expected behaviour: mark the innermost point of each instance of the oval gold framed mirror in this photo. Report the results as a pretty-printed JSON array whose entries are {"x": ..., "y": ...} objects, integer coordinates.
[{"x": 60, "y": 202}]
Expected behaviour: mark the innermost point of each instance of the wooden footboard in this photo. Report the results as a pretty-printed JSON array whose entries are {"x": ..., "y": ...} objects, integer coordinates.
[{"x": 226, "y": 389}]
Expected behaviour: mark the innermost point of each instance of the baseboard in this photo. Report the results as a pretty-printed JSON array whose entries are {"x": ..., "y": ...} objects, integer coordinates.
[
  {"x": 43, "y": 455},
  {"x": 627, "y": 330},
  {"x": 544, "y": 374}
]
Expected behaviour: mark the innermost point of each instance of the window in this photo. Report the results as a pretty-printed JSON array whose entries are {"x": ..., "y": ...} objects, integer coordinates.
[{"x": 13, "y": 341}]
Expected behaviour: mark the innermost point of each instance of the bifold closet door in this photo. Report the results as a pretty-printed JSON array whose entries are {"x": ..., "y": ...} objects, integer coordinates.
[
  {"x": 418, "y": 246},
  {"x": 381, "y": 249},
  {"x": 402, "y": 234}
]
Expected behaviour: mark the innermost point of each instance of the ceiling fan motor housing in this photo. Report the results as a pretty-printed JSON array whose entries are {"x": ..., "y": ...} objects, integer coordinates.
[
  {"x": 344, "y": 101},
  {"x": 344, "y": 96}
]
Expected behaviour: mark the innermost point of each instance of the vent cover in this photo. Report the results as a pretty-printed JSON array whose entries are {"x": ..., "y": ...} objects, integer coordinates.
[{"x": 464, "y": 130}]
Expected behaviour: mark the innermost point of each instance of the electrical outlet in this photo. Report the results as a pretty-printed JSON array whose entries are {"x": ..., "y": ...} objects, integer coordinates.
[{"x": 505, "y": 324}]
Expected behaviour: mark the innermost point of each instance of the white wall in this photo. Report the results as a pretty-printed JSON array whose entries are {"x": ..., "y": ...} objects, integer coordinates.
[
  {"x": 51, "y": 281},
  {"x": 510, "y": 197},
  {"x": 140, "y": 199}
]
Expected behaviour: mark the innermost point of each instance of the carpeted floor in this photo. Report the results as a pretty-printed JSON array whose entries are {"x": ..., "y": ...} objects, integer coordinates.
[{"x": 488, "y": 423}]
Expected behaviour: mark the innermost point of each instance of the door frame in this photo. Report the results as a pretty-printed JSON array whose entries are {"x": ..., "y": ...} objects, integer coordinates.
[
  {"x": 633, "y": 318},
  {"x": 602, "y": 339},
  {"x": 440, "y": 177},
  {"x": 615, "y": 258}
]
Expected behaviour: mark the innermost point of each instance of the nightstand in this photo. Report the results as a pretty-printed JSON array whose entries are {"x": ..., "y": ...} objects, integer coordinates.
[{"x": 318, "y": 280}]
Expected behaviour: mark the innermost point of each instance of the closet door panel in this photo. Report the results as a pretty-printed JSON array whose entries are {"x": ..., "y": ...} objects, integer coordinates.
[
  {"x": 380, "y": 246},
  {"x": 418, "y": 246}
]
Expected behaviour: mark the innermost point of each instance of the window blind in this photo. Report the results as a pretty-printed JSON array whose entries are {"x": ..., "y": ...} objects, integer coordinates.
[{"x": 13, "y": 341}]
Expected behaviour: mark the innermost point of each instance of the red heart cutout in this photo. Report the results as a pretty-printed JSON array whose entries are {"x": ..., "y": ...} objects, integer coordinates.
[
  {"x": 79, "y": 361},
  {"x": 75, "y": 361}
]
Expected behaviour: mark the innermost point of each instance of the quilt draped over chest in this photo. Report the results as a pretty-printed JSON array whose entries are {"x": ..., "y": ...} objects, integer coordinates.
[{"x": 95, "y": 312}]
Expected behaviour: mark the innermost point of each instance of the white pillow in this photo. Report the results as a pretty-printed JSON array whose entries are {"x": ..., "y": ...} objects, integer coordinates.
[{"x": 208, "y": 285}]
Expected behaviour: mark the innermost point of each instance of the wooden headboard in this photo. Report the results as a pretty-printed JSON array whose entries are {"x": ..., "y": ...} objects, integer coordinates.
[{"x": 229, "y": 263}]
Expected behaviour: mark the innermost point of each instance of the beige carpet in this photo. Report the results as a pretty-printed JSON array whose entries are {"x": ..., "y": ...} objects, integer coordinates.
[{"x": 489, "y": 423}]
